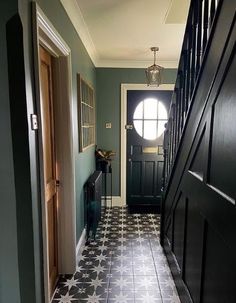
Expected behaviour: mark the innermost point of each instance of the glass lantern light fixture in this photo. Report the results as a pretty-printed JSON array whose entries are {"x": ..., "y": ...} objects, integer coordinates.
[{"x": 154, "y": 72}]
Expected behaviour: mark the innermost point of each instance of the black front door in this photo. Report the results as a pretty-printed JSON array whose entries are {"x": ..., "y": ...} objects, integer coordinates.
[{"x": 146, "y": 117}]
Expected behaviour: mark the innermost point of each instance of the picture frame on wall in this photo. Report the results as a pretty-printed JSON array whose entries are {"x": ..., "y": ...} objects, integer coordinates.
[{"x": 86, "y": 114}]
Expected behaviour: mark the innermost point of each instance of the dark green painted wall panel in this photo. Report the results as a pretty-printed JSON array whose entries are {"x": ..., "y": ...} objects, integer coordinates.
[
  {"x": 108, "y": 108},
  {"x": 9, "y": 275}
]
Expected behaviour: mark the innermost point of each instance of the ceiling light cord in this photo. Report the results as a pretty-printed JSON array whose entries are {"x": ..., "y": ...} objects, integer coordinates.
[{"x": 155, "y": 50}]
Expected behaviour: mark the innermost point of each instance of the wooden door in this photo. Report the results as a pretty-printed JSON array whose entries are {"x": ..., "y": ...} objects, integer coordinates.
[
  {"x": 47, "y": 112},
  {"x": 146, "y": 116}
]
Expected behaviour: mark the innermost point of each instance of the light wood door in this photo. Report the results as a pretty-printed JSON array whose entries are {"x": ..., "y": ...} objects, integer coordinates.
[{"x": 49, "y": 163}]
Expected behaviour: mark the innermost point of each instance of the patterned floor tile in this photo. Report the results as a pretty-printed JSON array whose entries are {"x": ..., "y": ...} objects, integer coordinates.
[
  {"x": 121, "y": 296},
  {"x": 148, "y": 296},
  {"x": 144, "y": 283},
  {"x": 125, "y": 264},
  {"x": 171, "y": 300}
]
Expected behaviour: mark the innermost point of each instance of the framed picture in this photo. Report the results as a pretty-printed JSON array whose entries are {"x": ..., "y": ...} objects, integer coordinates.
[{"x": 86, "y": 114}]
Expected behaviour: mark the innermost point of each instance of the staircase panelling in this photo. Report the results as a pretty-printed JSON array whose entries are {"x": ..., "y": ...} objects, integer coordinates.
[{"x": 198, "y": 213}]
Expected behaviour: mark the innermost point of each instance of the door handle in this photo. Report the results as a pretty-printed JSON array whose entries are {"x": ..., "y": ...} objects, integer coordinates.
[
  {"x": 128, "y": 126},
  {"x": 129, "y": 160},
  {"x": 57, "y": 183}
]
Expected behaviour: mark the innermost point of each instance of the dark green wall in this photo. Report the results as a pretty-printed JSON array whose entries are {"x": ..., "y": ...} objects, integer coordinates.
[
  {"x": 81, "y": 63},
  {"x": 9, "y": 273},
  {"x": 108, "y": 108},
  {"x": 20, "y": 225}
]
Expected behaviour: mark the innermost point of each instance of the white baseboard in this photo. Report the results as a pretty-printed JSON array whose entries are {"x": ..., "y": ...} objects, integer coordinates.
[
  {"x": 116, "y": 201},
  {"x": 81, "y": 243}
]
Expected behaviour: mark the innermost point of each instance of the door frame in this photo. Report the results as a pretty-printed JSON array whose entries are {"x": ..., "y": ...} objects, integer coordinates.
[
  {"x": 46, "y": 35},
  {"x": 125, "y": 87}
]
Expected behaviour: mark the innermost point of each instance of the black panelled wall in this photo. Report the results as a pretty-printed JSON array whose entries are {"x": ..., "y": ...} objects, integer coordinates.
[{"x": 199, "y": 215}]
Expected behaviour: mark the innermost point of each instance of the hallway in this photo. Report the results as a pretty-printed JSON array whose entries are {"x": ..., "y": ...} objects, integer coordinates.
[{"x": 124, "y": 265}]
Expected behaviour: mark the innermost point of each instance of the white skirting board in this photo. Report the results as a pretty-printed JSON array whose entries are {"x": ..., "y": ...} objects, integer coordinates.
[
  {"x": 80, "y": 244},
  {"x": 116, "y": 201}
]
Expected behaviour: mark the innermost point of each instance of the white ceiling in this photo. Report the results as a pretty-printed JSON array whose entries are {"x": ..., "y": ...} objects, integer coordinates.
[{"x": 119, "y": 33}]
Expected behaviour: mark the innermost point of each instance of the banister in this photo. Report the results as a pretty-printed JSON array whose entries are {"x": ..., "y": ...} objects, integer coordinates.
[{"x": 199, "y": 24}]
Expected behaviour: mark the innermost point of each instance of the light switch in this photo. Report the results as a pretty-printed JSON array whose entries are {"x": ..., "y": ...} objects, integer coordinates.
[
  {"x": 108, "y": 125},
  {"x": 34, "y": 122}
]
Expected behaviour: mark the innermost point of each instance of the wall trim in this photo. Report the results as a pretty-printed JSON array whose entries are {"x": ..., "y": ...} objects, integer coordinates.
[
  {"x": 124, "y": 89},
  {"x": 181, "y": 287},
  {"x": 116, "y": 201},
  {"x": 46, "y": 35},
  {"x": 80, "y": 244},
  {"x": 134, "y": 64},
  {"x": 76, "y": 17}
]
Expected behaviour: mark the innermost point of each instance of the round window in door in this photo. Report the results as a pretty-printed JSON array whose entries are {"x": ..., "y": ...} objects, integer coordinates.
[{"x": 149, "y": 118}]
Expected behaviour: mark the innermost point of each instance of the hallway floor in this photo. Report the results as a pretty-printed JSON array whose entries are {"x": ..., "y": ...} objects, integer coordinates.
[{"x": 124, "y": 265}]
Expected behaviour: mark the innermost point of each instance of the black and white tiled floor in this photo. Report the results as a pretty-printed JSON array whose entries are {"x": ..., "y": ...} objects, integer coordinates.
[{"x": 125, "y": 264}]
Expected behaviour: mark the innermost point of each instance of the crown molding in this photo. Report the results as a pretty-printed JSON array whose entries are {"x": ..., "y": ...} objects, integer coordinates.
[
  {"x": 74, "y": 13},
  {"x": 134, "y": 64}
]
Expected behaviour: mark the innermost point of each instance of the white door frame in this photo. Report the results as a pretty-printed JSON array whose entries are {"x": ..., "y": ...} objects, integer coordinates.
[
  {"x": 124, "y": 89},
  {"x": 46, "y": 35}
]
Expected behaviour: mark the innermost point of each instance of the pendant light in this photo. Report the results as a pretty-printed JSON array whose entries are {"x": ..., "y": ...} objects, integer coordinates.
[{"x": 154, "y": 72}]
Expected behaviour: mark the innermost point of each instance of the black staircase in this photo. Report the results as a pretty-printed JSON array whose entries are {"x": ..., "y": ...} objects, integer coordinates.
[
  {"x": 199, "y": 206},
  {"x": 195, "y": 48}
]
